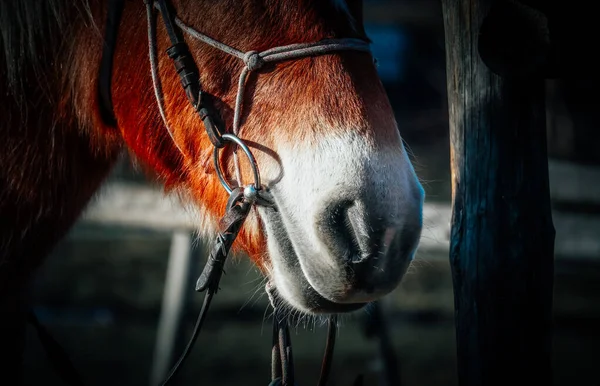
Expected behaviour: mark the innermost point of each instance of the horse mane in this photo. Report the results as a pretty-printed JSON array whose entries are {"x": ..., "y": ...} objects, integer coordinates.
[{"x": 33, "y": 31}]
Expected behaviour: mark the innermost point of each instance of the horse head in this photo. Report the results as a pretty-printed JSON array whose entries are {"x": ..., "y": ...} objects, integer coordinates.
[{"x": 348, "y": 213}]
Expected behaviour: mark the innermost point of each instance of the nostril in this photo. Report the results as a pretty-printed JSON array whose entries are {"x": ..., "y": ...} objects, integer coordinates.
[
  {"x": 364, "y": 234},
  {"x": 343, "y": 229},
  {"x": 336, "y": 231}
]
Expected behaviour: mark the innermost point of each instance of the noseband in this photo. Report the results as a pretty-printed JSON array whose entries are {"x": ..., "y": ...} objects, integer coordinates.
[{"x": 241, "y": 198}]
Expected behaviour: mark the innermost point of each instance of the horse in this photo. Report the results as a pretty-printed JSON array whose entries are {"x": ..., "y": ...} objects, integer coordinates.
[{"x": 347, "y": 205}]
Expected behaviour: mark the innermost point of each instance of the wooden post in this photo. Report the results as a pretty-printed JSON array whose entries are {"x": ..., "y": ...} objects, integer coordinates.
[
  {"x": 502, "y": 245},
  {"x": 178, "y": 285}
]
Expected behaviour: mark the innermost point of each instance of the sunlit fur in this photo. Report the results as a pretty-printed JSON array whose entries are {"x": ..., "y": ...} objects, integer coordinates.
[
  {"x": 56, "y": 150},
  {"x": 285, "y": 90}
]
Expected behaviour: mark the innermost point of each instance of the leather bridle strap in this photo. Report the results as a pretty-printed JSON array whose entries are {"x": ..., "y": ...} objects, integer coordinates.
[
  {"x": 186, "y": 69},
  {"x": 253, "y": 60},
  {"x": 282, "y": 360},
  {"x": 111, "y": 30},
  {"x": 329, "y": 346}
]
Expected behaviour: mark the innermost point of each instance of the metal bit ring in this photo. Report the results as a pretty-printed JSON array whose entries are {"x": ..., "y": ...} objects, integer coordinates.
[{"x": 235, "y": 139}]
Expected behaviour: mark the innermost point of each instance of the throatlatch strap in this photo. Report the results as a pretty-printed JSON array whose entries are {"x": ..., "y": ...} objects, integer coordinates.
[{"x": 111, "y": 31}]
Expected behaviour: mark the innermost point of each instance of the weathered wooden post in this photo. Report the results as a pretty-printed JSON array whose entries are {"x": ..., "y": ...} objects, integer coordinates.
[
  {"x": 178, "y": 285},
  {"x": 502, "y": 244}
]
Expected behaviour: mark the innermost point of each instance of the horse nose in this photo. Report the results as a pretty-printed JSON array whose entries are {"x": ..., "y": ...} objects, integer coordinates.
[
  {"x": 350, "y": 232},
  {"x": 370, "y": 250}
]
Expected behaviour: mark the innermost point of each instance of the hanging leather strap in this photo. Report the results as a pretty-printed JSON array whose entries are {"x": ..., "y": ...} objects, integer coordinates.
[{"x": 111, "y": 31}]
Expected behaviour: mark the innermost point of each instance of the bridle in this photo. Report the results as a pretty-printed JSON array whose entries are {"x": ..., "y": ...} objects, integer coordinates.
[
  {"x": 241, "y": 198},
  {"x": 200, "y": 100}
]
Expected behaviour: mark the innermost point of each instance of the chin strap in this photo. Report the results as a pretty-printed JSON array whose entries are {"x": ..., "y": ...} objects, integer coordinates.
[{"x": 282, "y": 360}]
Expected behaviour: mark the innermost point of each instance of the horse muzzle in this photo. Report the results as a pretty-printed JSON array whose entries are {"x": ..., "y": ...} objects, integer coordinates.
[{"x": 350, "y": 237}]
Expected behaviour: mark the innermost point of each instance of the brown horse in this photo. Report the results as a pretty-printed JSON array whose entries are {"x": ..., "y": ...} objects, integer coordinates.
[{"x": 348, "y": 210}]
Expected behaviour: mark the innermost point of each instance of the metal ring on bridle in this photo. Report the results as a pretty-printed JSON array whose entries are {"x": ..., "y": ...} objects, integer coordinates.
[{"x": 235, "y": 139}]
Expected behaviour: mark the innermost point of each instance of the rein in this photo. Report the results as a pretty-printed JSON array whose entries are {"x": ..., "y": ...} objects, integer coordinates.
[{"x": 241, "y": 198}]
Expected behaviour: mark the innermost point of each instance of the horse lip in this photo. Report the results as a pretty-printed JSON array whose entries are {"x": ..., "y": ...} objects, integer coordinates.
[
  {"x": 332, "y": 307},
  {"x": 321, "y": 306},
  {"x": 310, "y": 299}
]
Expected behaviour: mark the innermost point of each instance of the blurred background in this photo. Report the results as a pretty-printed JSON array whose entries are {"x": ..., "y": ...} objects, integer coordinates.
[{"x": 101, "y": 292}]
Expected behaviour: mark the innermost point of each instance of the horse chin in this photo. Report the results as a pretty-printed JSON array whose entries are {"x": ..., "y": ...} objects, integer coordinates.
[{"x": 291, "y": 282}]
